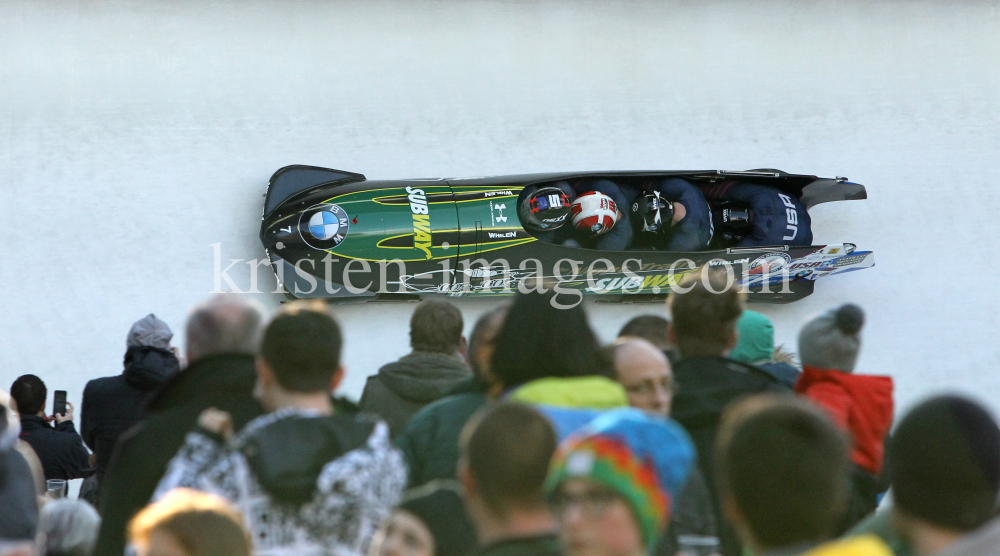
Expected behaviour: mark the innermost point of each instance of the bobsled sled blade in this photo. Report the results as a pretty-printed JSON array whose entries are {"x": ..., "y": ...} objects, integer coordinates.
[{"x": 290, "y": 180}]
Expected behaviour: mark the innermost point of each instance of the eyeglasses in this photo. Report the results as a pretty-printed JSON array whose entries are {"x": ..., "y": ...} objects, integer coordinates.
[
  {"x": 647, "y": 387},
  {"x": 592, "y": 502}
]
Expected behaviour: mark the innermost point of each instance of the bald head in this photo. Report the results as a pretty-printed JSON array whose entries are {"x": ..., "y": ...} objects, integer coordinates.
[
  {"x": 224, "y": 324},
  {"x": 644, "y": 372}
]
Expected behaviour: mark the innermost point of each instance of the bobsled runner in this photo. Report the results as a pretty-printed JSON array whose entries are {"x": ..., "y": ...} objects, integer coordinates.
[{"x": 337, "y": 235}]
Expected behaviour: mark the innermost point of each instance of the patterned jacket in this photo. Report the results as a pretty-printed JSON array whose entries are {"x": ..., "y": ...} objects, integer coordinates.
[{"x": 306, "y": 484}]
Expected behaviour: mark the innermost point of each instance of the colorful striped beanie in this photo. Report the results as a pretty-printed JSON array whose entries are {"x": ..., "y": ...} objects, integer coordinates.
[{"x": 645, "y": 459}]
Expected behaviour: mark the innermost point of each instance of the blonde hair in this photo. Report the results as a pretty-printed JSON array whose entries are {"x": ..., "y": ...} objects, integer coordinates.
[{"x": 204, "y": 524}]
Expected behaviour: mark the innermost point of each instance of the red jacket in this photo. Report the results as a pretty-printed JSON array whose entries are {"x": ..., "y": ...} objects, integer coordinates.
[{"x": 860, "y": 404}]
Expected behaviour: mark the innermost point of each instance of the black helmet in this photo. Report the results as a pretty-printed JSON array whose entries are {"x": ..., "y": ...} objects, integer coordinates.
[
  {"x": 732, "y": 221},
  {"x": 652, "y": 213},
  {"x": 545, "y": 209}
]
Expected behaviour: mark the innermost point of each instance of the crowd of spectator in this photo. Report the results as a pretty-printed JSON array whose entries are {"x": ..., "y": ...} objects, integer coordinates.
[{"x": 692, "y": 435}]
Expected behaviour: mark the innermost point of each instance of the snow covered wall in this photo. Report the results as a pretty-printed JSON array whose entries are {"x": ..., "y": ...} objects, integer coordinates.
[{"x": 135, "y": 135}]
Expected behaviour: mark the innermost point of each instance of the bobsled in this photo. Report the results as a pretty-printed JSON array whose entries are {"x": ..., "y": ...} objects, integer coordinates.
[{"x": 337, "y": 235}]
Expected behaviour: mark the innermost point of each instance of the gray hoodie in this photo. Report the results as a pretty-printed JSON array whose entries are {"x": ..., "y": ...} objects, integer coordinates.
[{"x": 403, "y": 387}]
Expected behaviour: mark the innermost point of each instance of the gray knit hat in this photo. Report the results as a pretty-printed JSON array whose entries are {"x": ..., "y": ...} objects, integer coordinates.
[
  {"x": 149, "y": 331},
  {"x": 831, "y": 340}
]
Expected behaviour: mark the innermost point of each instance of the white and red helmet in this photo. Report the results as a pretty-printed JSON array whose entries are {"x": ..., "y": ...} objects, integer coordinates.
[{"x": 594, "y": 212}]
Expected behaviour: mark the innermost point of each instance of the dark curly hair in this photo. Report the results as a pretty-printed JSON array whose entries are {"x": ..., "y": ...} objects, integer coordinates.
[{"x": 29, "y": 392}]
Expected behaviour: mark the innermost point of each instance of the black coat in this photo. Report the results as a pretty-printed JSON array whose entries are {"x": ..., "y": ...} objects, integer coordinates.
[
  {"x": 59, "y": 447},
  {"x": 112, "y": 405},
  {"x": 706, "y": 386},
  {"x": 692, "y": 515},
  {"x": 140, "y": 459}
]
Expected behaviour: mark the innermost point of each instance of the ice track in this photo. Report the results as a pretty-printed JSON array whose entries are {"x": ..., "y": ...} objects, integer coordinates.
[{"x": 134, "y": 135}]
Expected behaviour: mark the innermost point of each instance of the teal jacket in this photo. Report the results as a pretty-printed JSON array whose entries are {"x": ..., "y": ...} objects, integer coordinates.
[{"x": 429, "y": 441}]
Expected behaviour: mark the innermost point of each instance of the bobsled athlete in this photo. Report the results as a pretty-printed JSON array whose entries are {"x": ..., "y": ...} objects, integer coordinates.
[
  {"x": 600, "y": 215},
  {"x": 758, "y": 215},
  {"x": 672, "y": 216},
  {"x": 544, "y": 209},
  {"x": 596, "y": 223},
  {"x": 597, "y": 209}
]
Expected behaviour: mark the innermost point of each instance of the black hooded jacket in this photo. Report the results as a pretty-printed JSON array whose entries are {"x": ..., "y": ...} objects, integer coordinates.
[
  {"x": 404, "y": 387},
  {"x": 112, "y": 405},
  {"x": 706, "y": 386}
]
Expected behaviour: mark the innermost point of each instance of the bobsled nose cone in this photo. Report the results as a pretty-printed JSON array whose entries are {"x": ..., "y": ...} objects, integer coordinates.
[{"x": 280, "y": 230}]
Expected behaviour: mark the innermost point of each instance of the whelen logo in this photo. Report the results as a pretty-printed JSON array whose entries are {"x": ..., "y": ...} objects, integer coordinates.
[
  {"x": 718, "y": 262},
  {"x": 421, "y": 220},
  {"x": 505, "y": 193},
  {"x": 494, "y": 235}
]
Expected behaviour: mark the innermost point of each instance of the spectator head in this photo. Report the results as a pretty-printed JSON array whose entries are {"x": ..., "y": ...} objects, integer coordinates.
[
  {"x": 831, "y": 341},
  {"x": 755, "y": 339},
  {"x": 189, "y": 523},
  {"x": 429, "y": 521},
  {"x": 783, "y": 470},
  {"x": 300, "y": 352},
  {"x": 537, "y": 341},
  {"x": 704, "y": 322},
  {"x": 149, "y": 331},
  {"x": 70, "y": 527},
  {"x": 644, "y": 371},
  {"x": 483, "y": 340},
  {"x": 29, "y": 394},
  {"x": 944, "y": 461},
  {"x": 504, "y": 456},
  {"x": 652, "y": 328},
  {"x": 436, "y": 327},
  {"x": 226, "y": 323},
  {"x": 613, "y": 483}
]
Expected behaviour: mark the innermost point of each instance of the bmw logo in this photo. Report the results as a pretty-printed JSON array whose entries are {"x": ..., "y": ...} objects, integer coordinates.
[{"x": 324, "y": 226}]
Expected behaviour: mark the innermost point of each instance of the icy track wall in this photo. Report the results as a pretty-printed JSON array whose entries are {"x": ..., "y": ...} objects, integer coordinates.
[{"x": 135, "y": 135}]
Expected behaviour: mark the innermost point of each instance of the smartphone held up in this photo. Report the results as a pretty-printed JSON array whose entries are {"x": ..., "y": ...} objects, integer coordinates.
[{"x": 59, "y": 403}]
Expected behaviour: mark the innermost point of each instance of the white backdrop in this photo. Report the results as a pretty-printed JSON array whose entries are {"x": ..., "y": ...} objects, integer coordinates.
[{"x": 133, "y": 135}]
